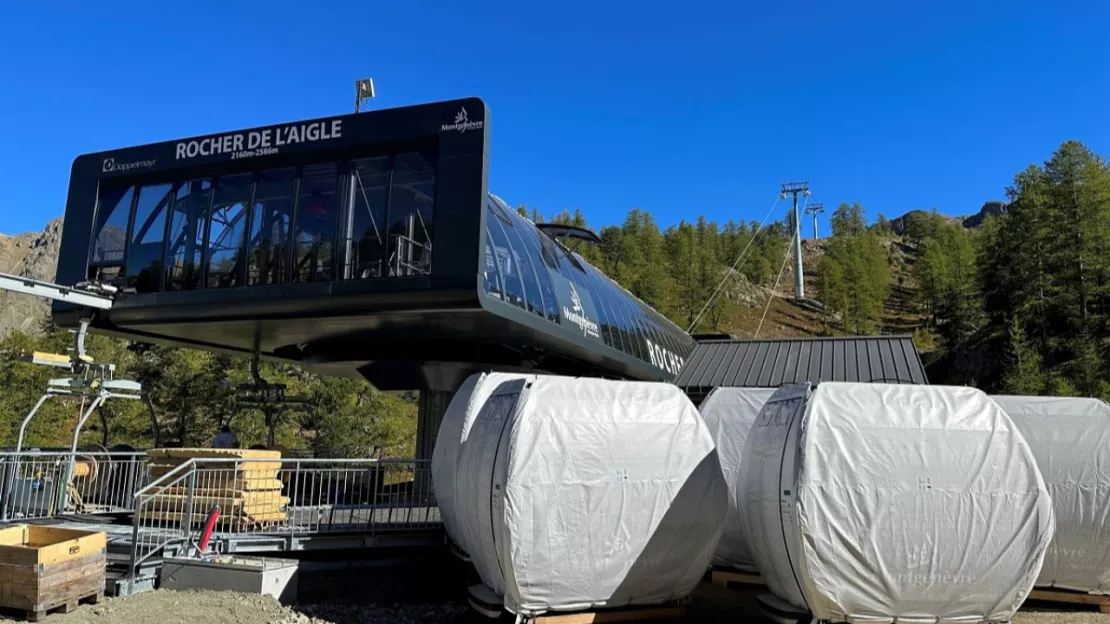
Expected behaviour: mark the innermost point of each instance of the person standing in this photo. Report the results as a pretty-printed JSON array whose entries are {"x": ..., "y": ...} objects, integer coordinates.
[{"x": 225, "y": 439}]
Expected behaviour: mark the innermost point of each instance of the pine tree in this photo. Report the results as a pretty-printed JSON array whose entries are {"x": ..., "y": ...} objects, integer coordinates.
[
  {"x": 848, "y": 220},
  {"x": 1024, "y": 374}
]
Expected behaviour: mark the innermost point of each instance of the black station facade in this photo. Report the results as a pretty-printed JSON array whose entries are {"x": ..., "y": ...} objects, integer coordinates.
[{"x": 357, "y": 245}]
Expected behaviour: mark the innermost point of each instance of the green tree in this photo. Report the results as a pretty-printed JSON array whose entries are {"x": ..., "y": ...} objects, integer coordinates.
[
  {"x": 1024, "y": 374},
  {"x": 882, "y": 225},
  {"x": 855, "y": 280},
  {"x": 848, "y": 220}
]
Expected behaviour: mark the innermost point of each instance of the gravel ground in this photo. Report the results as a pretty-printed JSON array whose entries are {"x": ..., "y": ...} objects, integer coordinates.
[
  {"x": 711, "y": 605},
  {"x": 206, "y": 607}
]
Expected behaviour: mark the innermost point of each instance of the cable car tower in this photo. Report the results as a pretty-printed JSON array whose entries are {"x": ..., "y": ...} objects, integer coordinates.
[{"x": 796, "y": 188}]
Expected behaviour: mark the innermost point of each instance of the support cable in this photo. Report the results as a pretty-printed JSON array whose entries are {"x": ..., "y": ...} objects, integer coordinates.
[
  {"x": 782, "y": 269},
  {"x": 735, "y": 265}
]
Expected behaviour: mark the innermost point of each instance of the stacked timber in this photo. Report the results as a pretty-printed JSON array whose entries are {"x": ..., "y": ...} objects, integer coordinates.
[
  {"x": 248, "y": 492},
  {"x": 46, "y": 568}
]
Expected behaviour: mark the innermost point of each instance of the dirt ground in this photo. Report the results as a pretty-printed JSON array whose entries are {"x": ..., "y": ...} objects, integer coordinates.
[{"x": 711, "y": 605}]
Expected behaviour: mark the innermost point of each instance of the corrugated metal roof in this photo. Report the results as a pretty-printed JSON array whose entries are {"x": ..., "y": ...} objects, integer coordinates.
[{"x": 772, "y": 363}]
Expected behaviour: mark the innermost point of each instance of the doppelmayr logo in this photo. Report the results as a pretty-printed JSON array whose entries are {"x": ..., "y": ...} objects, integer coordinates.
[
  {"x": 462, "y": 123},
  {"x": 577, "y": 314},
  {"x": 111, "y": 166}
]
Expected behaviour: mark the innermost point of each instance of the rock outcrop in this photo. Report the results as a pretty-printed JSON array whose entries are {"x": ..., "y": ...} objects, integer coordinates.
[{"x": 34, "y": 255}]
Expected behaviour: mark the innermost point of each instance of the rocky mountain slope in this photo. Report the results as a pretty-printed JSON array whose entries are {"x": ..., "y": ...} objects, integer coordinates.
[
  {"x": 35, "y": 255},
  {"x": 992, "y": 208}
]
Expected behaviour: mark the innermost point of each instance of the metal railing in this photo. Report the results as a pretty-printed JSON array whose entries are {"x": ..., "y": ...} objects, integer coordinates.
[
  {"x": 284, "y": 497},
  {"x": 34, "y": 484},
  {"x": 403, "y": 257}
]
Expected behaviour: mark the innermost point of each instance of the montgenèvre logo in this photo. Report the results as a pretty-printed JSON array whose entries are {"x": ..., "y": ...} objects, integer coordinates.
[
  {"x": 462, "y": 123},
  {"x": 577, "y": 314}
]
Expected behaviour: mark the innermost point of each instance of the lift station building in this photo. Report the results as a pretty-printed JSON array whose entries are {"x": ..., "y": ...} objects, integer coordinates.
[{"x": 363, "y": 245}]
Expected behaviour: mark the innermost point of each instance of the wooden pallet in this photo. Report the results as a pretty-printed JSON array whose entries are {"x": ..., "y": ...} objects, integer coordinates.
[
  {"x": 1072, "y": 597},
  {"x": 728, "y": 578},
  {"x": 65, "y": 606},
  {"x": 486, "y": 603},
  {"x": 629, "y": 614}
]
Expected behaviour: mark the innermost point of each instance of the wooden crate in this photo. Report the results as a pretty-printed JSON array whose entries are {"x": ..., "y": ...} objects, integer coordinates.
[{"x": 44, "y": 568}]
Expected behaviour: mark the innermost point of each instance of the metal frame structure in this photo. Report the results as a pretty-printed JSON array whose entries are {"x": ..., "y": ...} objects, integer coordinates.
[
  {"x": 90, "y": 380},
  {"x": 346, "y": 503}
]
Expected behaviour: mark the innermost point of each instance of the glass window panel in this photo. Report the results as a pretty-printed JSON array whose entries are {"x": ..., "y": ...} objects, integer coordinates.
[
  {"x": 624, "y": 318},
  {"x": 530, "y": 236},
  {"x": 628, "y": 332},
  {"x": 523, "y": 255},
  {"x": 503, "y": 255},
  {"x": 662, "y": 340},
  {"x": 145, "y": 252},
  {"x": 550, "y": 252},
  {"x": 317, "y": 217},
  {"x": 647, "y": 326},
  {"x": 411, "y": 200},
  {"x": 110, "y": 230},
  {"x": 583, "y": 283},
  {"x": 613, "y": 312},
  {"x": 186, "y": 234},
  {"x": 269, "y": 238},
  {"x": 226, "y": 226},
  {"x": 366, "y": 247},
  {"x": 642, "y": 330},
  {"x": 604, "y": 309},
  {"x": 665, "y": 335},
  {"x": 492, "y": 273}
]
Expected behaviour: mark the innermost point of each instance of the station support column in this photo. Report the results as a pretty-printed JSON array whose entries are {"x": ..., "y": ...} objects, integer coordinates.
[{"x": 431, "y": 408}]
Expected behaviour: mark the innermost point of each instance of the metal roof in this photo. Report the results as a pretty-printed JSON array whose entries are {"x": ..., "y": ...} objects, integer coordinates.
[{"x": 776, "y": 362}]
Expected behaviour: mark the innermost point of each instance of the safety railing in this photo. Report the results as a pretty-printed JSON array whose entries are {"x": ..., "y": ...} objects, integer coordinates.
[
  {"x": 35, "y": 485},
  {"x": 231, "y": 497}
]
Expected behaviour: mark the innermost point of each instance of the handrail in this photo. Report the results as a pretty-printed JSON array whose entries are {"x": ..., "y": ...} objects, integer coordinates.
[
  {"x": 314, "y": 495},
  {"x": 67, "y": 452},
  {"x": 191, "y": 462}
]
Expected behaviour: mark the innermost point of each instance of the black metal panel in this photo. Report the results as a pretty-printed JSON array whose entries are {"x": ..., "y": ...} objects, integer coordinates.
[
  {"x": 462, "y": 168},
  {"x": 771, "y": 363}
]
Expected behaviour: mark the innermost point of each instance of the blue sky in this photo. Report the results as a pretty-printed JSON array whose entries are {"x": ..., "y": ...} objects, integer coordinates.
[{"x": 677, "y": 108}]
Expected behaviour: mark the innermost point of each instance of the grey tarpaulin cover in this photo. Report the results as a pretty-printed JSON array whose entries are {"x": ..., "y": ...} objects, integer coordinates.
[
  {"x": 880, "y": 503},
  {"x": 1070, "y": 438},
  {"x": 729, "y": 413},
  {"x": 579, "y": 493},
  {"x": 453, "y": 430}
]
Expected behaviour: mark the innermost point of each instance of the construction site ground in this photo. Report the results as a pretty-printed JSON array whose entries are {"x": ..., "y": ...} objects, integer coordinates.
[{"x": 711, "y": 605}]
